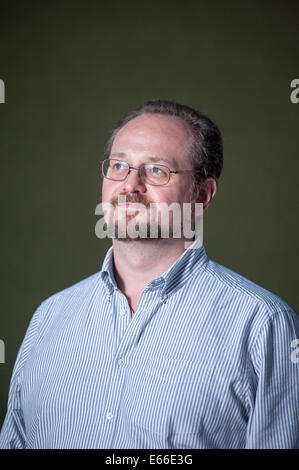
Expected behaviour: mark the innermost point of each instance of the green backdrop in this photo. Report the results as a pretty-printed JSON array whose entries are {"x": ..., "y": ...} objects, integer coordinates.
[{"x": 71, "y": 69}]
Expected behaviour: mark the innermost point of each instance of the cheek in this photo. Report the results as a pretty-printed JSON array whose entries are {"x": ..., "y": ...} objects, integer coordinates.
[
  {"x": 107, "y": 190},
  {"x": 179, "y": 194},
  {"x": 185, "y": 192}
]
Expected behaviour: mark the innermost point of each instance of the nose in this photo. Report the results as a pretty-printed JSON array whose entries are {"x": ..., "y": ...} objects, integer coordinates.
[{"x": 133, "y": 182}]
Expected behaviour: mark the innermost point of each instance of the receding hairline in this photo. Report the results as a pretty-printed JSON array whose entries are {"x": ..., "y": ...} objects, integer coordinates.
[{"x": 185, "y": 125}]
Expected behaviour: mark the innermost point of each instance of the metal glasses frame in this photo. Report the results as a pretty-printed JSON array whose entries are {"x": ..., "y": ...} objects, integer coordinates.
[{"x": 139, "y": 168}]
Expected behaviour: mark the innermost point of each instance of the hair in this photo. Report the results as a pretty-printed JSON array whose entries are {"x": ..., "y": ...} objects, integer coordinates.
[{"x": 206, "y": 152}]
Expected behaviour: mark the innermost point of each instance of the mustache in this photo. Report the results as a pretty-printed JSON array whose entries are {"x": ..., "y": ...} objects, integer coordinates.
[{"x": 132, "y": 197}]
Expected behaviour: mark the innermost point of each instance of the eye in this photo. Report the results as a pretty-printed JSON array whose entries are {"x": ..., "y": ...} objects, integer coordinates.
[
  {"x": 156, "y": 170},
  {"x": 118, "y": 166}
]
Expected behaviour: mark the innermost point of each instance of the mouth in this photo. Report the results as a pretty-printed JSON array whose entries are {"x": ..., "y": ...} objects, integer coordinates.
[
  {"x": 132, "y": 209},
  {"x": 132, "y": 205}
]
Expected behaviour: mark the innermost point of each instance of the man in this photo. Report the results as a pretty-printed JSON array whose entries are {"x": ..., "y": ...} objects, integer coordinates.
[{"x": 162, "y": 348}]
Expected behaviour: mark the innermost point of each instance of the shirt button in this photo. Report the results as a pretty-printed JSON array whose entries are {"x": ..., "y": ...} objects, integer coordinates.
[
  {"x": 109, "y": 415},
  {"x": 123, "y": 312},
  {"x": 120, "y": 362}
]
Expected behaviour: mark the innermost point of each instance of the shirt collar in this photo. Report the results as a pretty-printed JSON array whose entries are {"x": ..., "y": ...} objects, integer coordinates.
[
  {"x": 187, "y": 265},
  {"x": 107, "y": 271}
]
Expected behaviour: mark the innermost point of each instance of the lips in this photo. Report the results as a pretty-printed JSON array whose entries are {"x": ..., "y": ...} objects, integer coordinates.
[
  {"x": 132, "y": 208},
  {"x": 132, "y": 205},
  {"x": 130, "y": 201}
]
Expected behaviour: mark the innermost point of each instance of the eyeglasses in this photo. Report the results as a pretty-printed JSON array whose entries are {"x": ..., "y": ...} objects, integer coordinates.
[{"x": 150, "y": 173}]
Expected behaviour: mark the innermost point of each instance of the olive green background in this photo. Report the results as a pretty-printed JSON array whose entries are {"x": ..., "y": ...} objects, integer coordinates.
[{"x": 72, "y": 69}]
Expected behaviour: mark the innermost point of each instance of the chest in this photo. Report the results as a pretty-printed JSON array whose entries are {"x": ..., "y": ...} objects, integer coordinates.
[{"x": 156, "y": 373}]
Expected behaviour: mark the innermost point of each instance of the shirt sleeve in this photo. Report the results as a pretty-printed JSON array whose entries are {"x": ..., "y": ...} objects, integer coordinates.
[
  {"x": 274, "y": 391},
  {"x": 13, "y": 433}
]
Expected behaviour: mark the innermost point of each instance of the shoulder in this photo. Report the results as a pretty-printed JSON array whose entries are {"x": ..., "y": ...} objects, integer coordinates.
[
  {"x": 247, "y": 317},
  {"x": 52, "y": 312},
  {"x": 65, "y": 302},
  {"x": 74, "y": 293},
  {"x": 243, "y": 308},
  {"x": 235, "y": 285},
  {"x": 77, "y": 288}
]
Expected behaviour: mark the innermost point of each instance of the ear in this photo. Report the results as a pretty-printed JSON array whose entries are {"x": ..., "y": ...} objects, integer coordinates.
[{"x": 206, "y": 192}]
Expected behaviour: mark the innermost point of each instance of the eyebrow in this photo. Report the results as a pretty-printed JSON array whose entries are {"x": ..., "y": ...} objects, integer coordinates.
[{"x": 149, "y": 158}]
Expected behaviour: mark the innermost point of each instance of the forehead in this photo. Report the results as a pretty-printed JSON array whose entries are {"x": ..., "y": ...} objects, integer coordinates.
[{"x": 154, "y": 135}]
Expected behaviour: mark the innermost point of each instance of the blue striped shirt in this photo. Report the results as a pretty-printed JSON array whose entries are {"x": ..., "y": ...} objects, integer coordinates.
[{"x": 205, "y": 362}]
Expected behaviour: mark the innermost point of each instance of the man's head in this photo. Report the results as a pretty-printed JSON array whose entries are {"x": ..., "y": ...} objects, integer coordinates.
[
  {"x": 165, "y": 133},
  {"x": 206, "y": 147}
]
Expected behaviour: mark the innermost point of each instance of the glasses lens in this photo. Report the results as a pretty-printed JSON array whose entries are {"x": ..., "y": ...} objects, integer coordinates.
[
  {"x": 115, "y": 169},
  {"x": 155, "y": 174}
]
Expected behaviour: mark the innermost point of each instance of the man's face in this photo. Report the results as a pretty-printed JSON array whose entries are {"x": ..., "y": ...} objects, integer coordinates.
[{"x": 168, "y": 141}]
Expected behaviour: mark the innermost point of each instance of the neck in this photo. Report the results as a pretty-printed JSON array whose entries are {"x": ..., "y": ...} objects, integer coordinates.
[{"x": 138, "y": 262}]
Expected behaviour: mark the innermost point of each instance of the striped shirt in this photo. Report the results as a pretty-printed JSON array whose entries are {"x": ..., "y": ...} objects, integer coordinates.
[{"x": 205, "y": 362}]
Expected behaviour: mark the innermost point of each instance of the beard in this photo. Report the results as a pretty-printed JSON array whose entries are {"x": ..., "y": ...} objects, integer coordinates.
[
  {"x": 143, "y": 222},
  {"x": 131, "y": 224}
]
